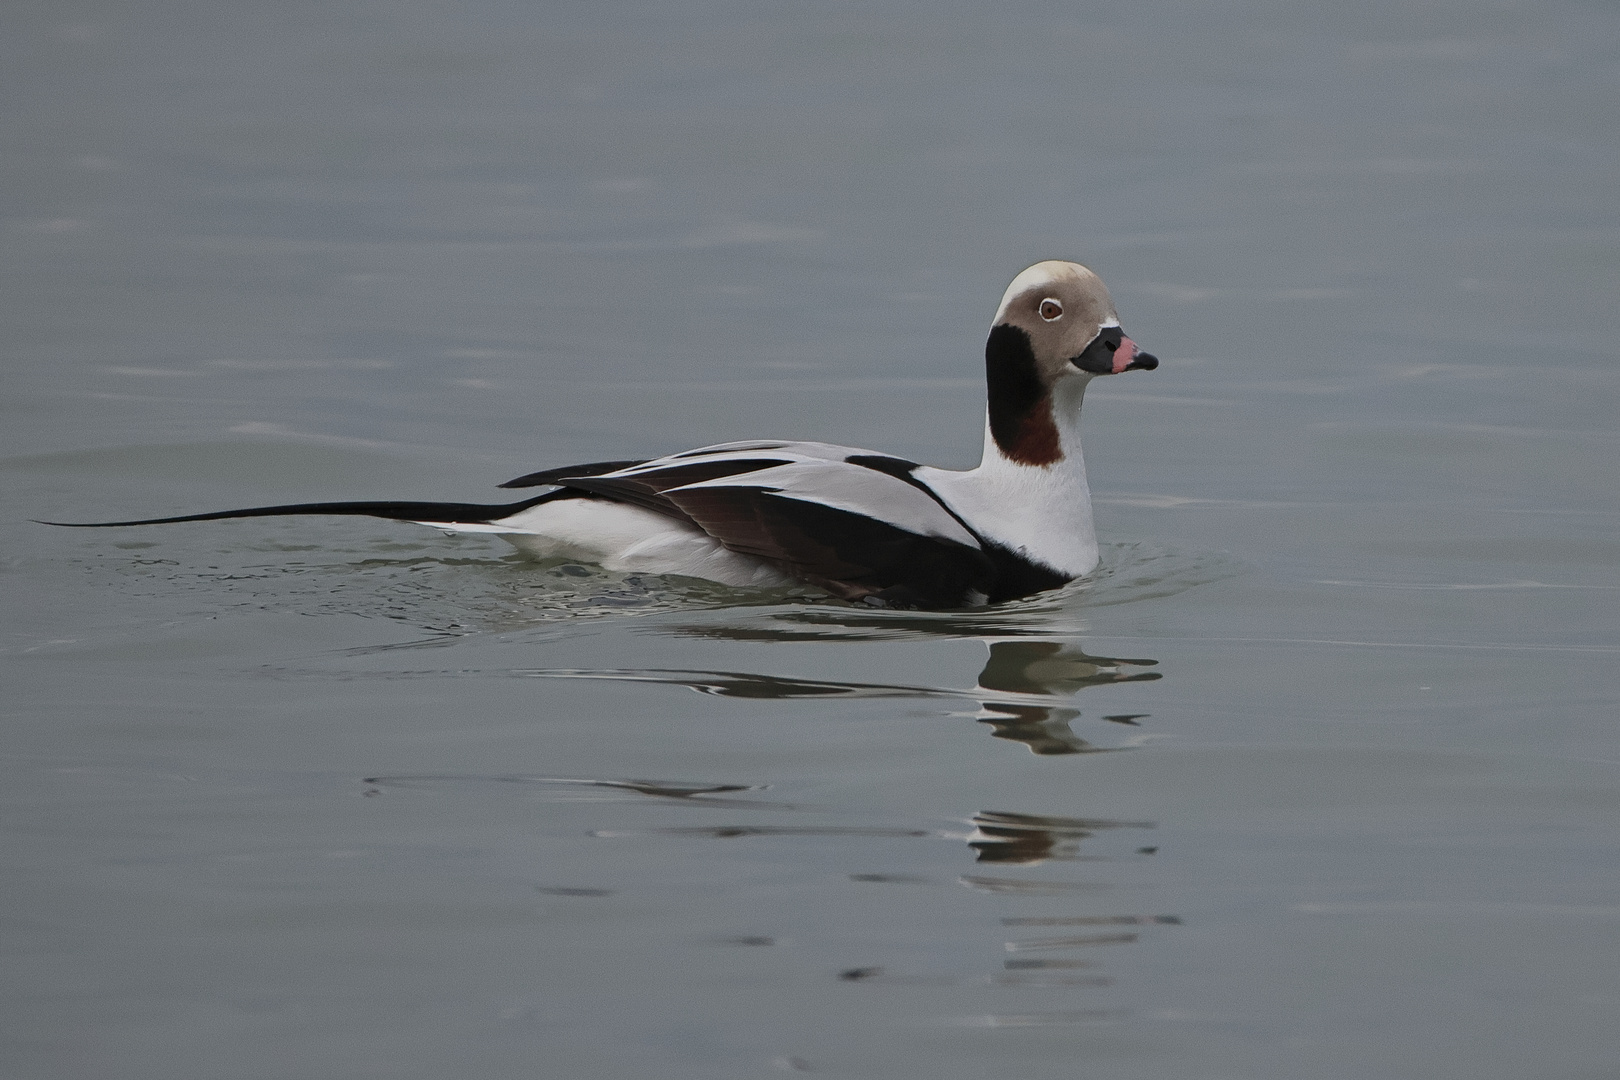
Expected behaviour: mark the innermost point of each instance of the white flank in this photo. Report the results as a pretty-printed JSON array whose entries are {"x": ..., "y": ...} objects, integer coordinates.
[{"x": 627, "y": 539}]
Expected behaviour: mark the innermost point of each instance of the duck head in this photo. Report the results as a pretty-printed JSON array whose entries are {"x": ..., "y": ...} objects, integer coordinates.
[{"x": 1056, "y": 327}]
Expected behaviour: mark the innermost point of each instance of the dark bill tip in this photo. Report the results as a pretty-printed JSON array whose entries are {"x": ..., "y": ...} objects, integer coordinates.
[{"x": 1142, "y": 361}]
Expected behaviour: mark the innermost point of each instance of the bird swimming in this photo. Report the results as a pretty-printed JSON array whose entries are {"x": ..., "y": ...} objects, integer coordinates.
[{"x": 860, "y": 525}]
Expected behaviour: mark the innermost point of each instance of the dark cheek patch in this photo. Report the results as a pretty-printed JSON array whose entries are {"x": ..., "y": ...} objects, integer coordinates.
[{"x": 1020, "y": 410}]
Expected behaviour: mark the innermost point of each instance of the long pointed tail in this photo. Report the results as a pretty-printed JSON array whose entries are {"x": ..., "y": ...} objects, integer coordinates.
[{"x": 428, "y": 512}]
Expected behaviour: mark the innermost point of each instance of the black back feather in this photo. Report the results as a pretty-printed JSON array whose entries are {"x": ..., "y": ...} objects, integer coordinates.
[{"x": 557, "y": 476}]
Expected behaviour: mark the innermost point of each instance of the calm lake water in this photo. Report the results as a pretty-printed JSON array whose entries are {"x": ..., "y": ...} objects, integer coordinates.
[{"x": 1319, "y": 777}]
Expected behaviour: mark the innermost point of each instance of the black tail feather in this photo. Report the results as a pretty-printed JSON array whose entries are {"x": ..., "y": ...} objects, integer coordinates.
[{"x": 460, "y": 513}]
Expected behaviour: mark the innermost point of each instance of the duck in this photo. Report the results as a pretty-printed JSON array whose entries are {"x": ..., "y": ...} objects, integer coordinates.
[{"x": 862, "y": 526}]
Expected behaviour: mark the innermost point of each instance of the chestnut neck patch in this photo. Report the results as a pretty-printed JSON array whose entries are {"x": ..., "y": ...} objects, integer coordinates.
[{"x": 1020, "y": 406}]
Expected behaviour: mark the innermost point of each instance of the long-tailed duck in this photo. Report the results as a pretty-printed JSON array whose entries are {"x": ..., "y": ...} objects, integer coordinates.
[{"x": 861, "y": 525}]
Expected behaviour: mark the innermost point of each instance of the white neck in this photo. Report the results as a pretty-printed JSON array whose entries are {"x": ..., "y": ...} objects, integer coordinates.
[{"x": 1043, "y": 511}]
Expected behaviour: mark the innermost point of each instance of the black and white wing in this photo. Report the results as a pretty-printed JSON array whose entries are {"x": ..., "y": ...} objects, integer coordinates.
[{"x": 850, "y": 521}]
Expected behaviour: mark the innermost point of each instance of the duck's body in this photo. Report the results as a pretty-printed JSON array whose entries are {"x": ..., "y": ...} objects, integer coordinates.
[
  {"x": 854, "y": 522},
  {"x": 859, "y": 524}
]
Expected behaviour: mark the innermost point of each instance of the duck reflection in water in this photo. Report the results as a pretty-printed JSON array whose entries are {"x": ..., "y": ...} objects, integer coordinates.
[
  {"x": 1019, "y": 693},
  {"x": 1036, "y": 669},
  {"x": 1022, "y": 839}
]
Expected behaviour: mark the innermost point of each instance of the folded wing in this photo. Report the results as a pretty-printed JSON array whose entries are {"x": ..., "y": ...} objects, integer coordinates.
[{"x": 853, "y": 529}]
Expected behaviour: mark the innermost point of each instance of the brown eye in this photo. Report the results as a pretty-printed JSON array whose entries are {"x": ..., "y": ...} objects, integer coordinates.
[{"x": 1051, "y": 310}]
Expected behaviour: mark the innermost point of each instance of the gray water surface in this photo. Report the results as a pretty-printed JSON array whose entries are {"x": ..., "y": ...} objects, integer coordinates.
[{"x": 1318, "y": 777}]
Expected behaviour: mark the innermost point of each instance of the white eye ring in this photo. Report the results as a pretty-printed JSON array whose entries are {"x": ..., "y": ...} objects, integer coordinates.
[{"x": 1051, "y": 310}]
